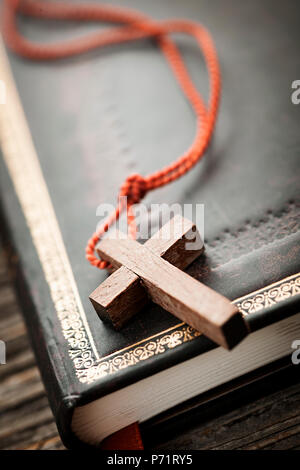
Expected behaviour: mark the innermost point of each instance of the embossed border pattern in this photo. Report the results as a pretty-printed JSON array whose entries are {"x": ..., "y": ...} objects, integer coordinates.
[
  {"x": 26, "y": 175},
  {"x": 182, "y": 333}
]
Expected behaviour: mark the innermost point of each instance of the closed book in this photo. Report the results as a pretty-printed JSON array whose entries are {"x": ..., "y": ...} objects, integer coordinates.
[{"x": 71, "y": 131}]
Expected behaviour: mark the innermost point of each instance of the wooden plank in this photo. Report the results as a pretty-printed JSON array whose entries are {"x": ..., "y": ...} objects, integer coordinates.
[
  {"x": 266, "y": 423},
  {"x": 28, "y": 380},
  {"x": 269, "y": 421},
  {"x": 17, "y": 362},
  {"x": 121, "y": 295},
  {"x": 191, "y": 301}
]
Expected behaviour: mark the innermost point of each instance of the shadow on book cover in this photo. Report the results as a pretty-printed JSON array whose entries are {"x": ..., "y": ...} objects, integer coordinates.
[{"x": 72, "y": 130}]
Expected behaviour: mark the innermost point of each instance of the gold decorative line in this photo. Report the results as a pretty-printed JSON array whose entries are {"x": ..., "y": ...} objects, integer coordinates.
[
  {"x": 269, "y": 296},
  {"x": 181, "y": 333},
  {"x": 172, "y": 328},
  {"x": 133, "y": 355},
  {"x": 23, "y": 166}
]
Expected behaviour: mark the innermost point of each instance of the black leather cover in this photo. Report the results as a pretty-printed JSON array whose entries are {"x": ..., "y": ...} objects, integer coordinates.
[{"x": 97, "y": 118}]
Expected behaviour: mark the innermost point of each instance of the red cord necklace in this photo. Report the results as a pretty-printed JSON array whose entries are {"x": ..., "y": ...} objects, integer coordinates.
[{"x": 134, "y": 26}]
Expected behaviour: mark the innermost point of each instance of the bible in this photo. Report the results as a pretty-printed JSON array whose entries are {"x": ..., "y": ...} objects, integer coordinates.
[{"x": 65, "y": 125}]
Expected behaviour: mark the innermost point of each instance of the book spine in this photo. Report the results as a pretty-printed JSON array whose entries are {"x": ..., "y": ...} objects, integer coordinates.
[{"x": 62, "y": 402}]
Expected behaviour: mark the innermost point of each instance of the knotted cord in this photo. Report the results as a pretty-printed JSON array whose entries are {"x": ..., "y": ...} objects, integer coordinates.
[{"x": 131, "y": 26}]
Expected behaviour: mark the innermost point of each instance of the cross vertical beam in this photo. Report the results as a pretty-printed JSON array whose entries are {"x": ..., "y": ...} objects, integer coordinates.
[
  {"x": 191, "y": 301},
  {"x": 121, "y": 295},
  {"x": 148, "y": 270}
]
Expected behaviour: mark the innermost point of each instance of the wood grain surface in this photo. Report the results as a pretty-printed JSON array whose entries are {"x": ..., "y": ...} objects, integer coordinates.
[
  {"x": 26, "y": 421},
  {"x": 121, "y": 295},
  {"x": 180, "y": 294}
]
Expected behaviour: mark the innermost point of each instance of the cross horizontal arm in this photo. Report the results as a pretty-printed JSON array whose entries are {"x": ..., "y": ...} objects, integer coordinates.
[
  {"x": 191, "y": 301},
  {"x": 121, "y": 295}
]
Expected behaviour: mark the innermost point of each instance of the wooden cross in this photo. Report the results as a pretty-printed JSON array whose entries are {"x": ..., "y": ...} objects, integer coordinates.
[{"x": 154, "y": 270}]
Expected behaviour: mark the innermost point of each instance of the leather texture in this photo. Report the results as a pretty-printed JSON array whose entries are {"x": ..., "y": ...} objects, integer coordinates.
[{"x": 97, "y": 118}]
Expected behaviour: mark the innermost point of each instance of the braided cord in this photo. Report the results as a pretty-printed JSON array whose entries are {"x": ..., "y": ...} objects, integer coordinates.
[{"x": 134, "y": 26}]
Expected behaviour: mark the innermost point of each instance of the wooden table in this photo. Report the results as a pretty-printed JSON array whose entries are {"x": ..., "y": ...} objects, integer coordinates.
[{"x": 271, "y": 421}]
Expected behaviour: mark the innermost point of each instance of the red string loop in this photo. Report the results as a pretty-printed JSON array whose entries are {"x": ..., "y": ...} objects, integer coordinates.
[{"x": 134, "y": 26}]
